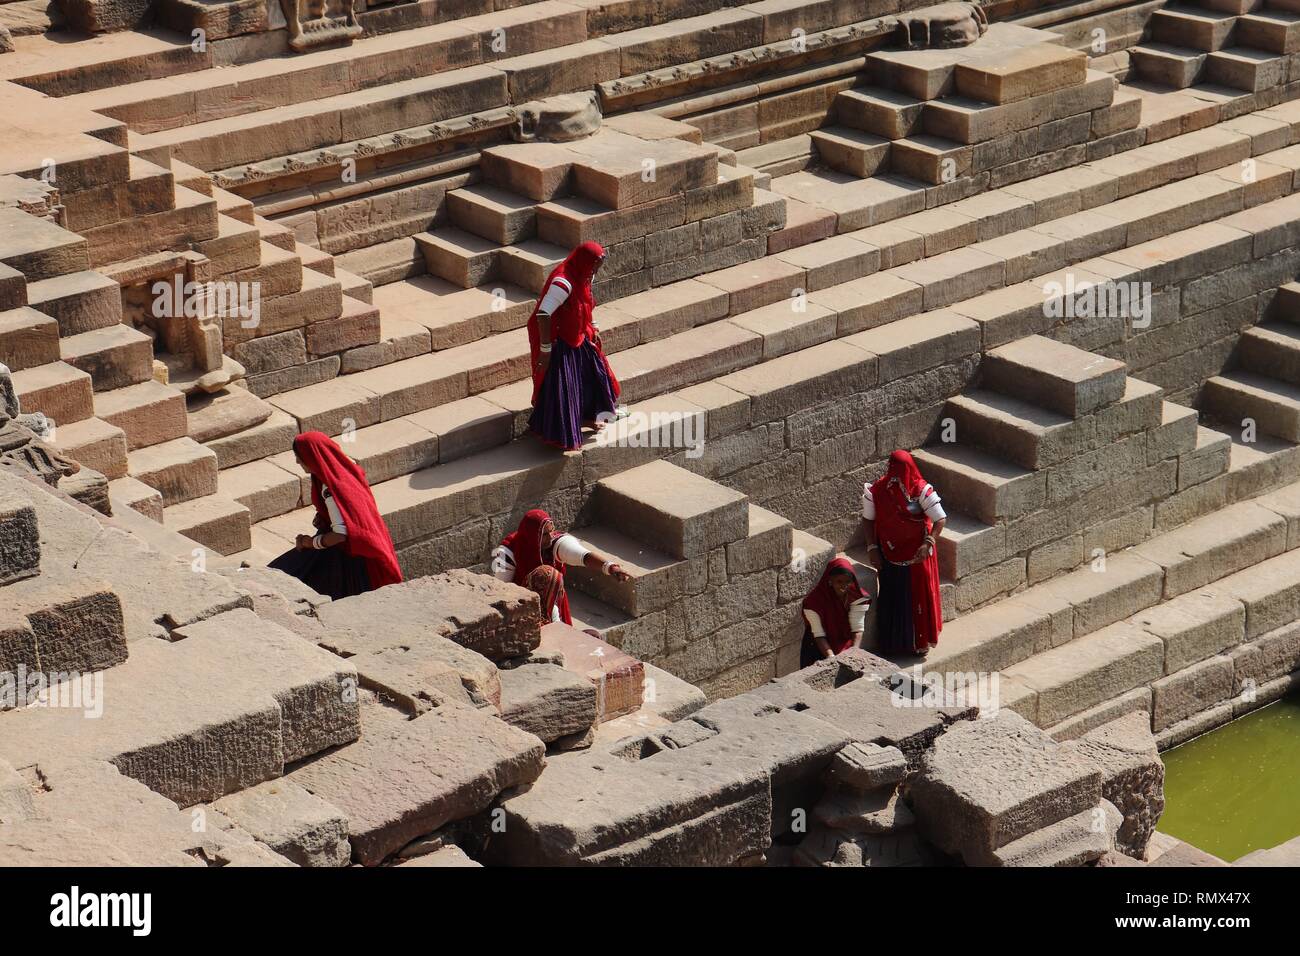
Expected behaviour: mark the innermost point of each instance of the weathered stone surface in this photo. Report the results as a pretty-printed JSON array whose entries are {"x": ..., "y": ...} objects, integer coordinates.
[
  {"x": 987, "y": 783},
  {"x": 874, "y": 813},
  {"x": 491, "y": 617},
  {"x": 1074, "y": 841},
  {"x": 292, "y": 822},
  {"x": 827, "y": 847},
  {"x": 677, "y": 512},
  {"x": 406, "y": 778},
  {"x": 867, "y": 766},
  {"x": 20, "y": 543},
  {"x": 1133, "y": 776},
  {"x": 619, "y": 679},
  {"x": 547, "y": 700}
]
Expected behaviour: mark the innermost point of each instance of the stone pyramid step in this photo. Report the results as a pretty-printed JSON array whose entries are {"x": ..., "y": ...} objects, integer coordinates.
[
  {"x": 528, "y": 263},
  {"x": 657, "y": 580},
  {"x": 13, "y": 288},
  {"x": 214, "y": 521},
  {"x": 95, "y": 444},
  {"x": 1192, "y": 28},
  {"x": 115, "y": 356},
  {"x": 980, "y": 485},
  {"x": 493, "y": 213},
  {"x": 1174, "y": 66},
  {"x": 274, "y": 233},
  {"x": 236, "y": 246},
  {"x": 52, "y": 65},
  {"x": 128, "y": 492},
  {"x": 216, "y": 415},
  {"x": 1009, "y": 75},
  {"x": 28, "y": 338},
  {"x": 1061, "y": 377},
  {"x": 193, "y": 217},
  {"x": 966, "y": 120},
  {"x": 78, "y": 301},
  {"x": 881, "y": 112},
  {"x": 39, "y": 249},
  {"x": 148, "y": 191},
  {"x": 931, "y": 159},
  {"x": 462, "y": 258},
  {"x": 1245, "y": 68},
  {"x": 181, "y": 469},
  {"x": 1019, "y": 431},
  {"x": 1273, "y": 404},
  {"x": 851, "y": 150},
  {"x": 62, "y": 392},
  {"x": 1275, "y": 31},
  {"x": 1272, "y": 349},
  {"x": 266, "y": 487},
  {"x": 1214, "y": 545},
  {"x": 148, "y": 413}
]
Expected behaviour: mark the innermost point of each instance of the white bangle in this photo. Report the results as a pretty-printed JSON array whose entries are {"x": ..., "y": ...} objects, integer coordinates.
[
  {"x": 317, "y": 543},
  {"x": 605, "y": 568},
  {"x": 544, "y": 348}
]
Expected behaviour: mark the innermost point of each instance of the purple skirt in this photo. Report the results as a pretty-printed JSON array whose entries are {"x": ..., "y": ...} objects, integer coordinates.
[{"x": 576, "y": 389}]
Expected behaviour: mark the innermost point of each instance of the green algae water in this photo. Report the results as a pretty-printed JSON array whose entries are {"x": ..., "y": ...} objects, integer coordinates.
[{"x": 1237, "y": 789}]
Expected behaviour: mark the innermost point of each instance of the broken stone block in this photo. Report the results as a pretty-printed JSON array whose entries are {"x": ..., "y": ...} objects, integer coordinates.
[
  {"x": 61, "y": 624},
  {"x": 416, "y": 676},
  {"x": 826, "y": 847},
  {"x": 20, "y": 542},
  {"x": 866, "y": 766},
  {"x": 987, "y": 783},
  {"x": 1074, "y": 841},
  {"x": 300, "y": 827},
  {"x": 491, "y": 617},
  {"x": 406, "y": 778},
  {"x": 548, "y": 701},
  {"x": 619, "y": 679},
  {"x": 873, "y": 813},
  {"x": 447, "y": 856},
  {"x": 1133, "y": 776}
]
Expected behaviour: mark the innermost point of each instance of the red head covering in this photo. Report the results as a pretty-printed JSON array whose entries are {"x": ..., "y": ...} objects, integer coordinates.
[
  {"x": 899, "y": 532},
  {"x": 831, "y": 608},
  {"x": 571, "y": 322},
  {"x": 368, "y": 536},
  {"x": 529, "y": 544}
]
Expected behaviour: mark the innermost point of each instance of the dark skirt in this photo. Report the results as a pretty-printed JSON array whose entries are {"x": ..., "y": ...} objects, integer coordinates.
[
  {"x": 576, "y": 389},
  {"x": 330, "y": 571},
  {"x": 894, "y": 624}
]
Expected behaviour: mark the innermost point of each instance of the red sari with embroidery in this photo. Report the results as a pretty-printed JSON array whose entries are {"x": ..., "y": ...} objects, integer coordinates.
[{"x": 899, "y": 532}]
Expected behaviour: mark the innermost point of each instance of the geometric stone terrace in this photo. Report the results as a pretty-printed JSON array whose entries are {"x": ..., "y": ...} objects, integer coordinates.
[{"x": 823, "y": 245}]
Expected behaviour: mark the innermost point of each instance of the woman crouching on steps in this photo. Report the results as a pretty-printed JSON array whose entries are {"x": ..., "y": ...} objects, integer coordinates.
[
  {"x": 351, "y": 551},
  {"x": 536, "y": 544},
  {"x": 573, "y": 385},
  {"x": 902, "y": 518},
  {"x": 835, "y": 614}
]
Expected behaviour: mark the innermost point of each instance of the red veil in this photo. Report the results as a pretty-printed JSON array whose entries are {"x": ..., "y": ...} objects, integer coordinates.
[
  {"x": 526, "y": 544},
  {"x": 830, "y": 608},
  {"x": 572, "y": 320},
  {"x": 899, "y": 533},
  {"x": 368, "y": 536}
]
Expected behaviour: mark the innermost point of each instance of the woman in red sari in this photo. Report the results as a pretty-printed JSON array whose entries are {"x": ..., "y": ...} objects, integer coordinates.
[
  {"x": 352, "y": 551},
  {"x": 902, "y": 519},
  {"x": 573, "y": 384},
  {"x": 835, "y": 613},
  {"x": 536, "y": 543}
]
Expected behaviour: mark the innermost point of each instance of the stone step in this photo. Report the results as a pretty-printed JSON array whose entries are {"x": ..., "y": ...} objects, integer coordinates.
[
  {"x": 980, "y": 485},
  {"x": 115, "y": 356},
  {"x": 127, "y": 492},
  {"x": 78, "y": 301},
  {"x": 881, "y": 112},
  {"x": 274, "y": 233},
  {"x": 1245, "y": 68},
  {"x": 1174, "y": 66},
  {"x": 1275, "y": 31},
  {"x": 264, "y": 488},
  {"x": 28, "y": 338},
  {"x": 1020, "y": 432},
  {"x": 39, "y": 249},
  {"x": 214, "y": 521},
  {"x": 1273, "y": 405},
  {"x": 181, "y": 469},
  {"x": 672, "y": 510},
  {"x": 218, "y": 415},
  {"x": 851, "y": 150},
  {"x": 268, "y": 438},
  {"x": 49, "y": 64},
  {"x": 1089, "y": 670},
  {"x": 95, "y": 444},
  {"x": 1061, "y": 377},
  {"x": 62, "y": 392},
  {"x": 192, "y": 218},
  {"x": 1007, "y": 76},
  {"x": 13, "y": 288},
  {"x": 148, "y": 191},
  {"x": 148, "y": 413},
  {"x": 460, "y": 257},
  {"x": 235, "y": 247},
  {"x": 1192, "y": 28},
  {"x": 1272, "y": 350},
  {"x": 492, "y": 213},
  {"x": 657, "y": 579},
  {"x": 1214, "y": 545}
]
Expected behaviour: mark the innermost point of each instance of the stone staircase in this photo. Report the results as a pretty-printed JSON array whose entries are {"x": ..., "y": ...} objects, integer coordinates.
[{"x": 1241, "y": 44}]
